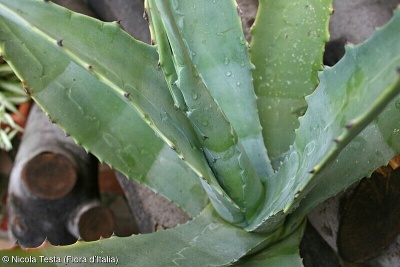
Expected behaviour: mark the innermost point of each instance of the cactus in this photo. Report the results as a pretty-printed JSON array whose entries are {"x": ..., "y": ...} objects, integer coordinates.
[{"x": 215, "y": 128}]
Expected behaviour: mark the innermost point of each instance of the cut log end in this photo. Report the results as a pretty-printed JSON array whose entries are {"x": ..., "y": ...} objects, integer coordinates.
[
  {"x": 95, "y": 223},
  {"x": 49, "y": 176}
]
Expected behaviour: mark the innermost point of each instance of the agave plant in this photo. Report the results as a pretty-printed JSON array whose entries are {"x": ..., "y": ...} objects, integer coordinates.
[{"x": 262, "y": 131}]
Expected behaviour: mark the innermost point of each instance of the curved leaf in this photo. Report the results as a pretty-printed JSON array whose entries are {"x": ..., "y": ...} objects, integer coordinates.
[
  {"x": 159, "y": 36},
  {"x": 214, "y": 37},
  {"x": 288, "y": 39},
  {"x": 101, "y": 86},
  {"x": 222, "y": 148},
  {"x": 284, "y": 253},
  {"x": 205, "y": 241},
  {"x": 372, "y": 148},
  {"x": 349, "y": 97}
]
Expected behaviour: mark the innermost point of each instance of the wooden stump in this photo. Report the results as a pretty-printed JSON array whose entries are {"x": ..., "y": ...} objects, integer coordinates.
[
  {"x": 91, "y": 221},
  {"x": 53, "y": 189},
  {"x": 49, "y": 176}
]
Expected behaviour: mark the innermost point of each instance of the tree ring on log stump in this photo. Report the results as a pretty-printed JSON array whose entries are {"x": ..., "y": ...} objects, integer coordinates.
[
  {"x": 49, "y": 176},
  {"x": 95, "y": 223}
]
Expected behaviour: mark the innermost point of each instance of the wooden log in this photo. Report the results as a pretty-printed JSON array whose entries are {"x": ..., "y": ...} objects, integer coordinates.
[
  {"x": 91, "y": 221},
  {"x": 51, "y": 177}
]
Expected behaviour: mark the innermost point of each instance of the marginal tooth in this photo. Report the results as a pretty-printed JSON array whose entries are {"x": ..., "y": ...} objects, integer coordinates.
[
  {"x": 349, "y": 124},
  {"x": 60, "y": 42}
]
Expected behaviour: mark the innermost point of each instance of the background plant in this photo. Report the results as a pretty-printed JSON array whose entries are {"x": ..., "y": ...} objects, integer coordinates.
[
  {"x": 200, "y": 101},
  {"x": 11, "y": 95}
]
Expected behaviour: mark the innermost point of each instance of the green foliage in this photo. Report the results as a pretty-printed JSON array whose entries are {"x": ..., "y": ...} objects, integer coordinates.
[
  {"x": 113, "y": 127},
  {"x": 284, "y": 253},
  {"x": 197, "y": 243},
  {"x": 287, "y": 61},
  {"x": 11, "y": 94},
  {"x": 221, "y": 146},
  {"x": 194, "y": 89},
  {"x": 227, "y": 75},
  {"x": 349, "y": 97}
]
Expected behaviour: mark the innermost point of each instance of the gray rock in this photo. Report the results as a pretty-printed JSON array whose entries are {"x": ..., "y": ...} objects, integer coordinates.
[
  {"x": 356, "y": 20},
  {"x": 129, "y": 13}
]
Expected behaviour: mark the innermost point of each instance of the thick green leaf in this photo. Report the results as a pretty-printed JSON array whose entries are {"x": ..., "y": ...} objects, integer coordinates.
[
  {"x": 222, "y": 148},
  {"x": 288, "y": 40},
  {"x": 285, "y": 253},
  {"x": 214, "y": 37},
  {"x": 206, "y": 241},
  {"x": 170, "y": 177},
  {"x": 61, "y": 68},
  {"x": 350, "y": 95},
  {"x": 372, "y": 148},
  {"x": 159, "y": 36}
]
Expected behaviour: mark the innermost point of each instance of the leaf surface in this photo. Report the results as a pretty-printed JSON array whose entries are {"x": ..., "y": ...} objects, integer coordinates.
[
  {"x": 349, "y": 97},
  {"x": 288, "y": 39},
  {"x": 205, "y": 241},
  {"x": 159, "y": 37},
  {"x": 372, "y": 148},
  {"x": 223, "y": 149},
  {"x": 282, "y": 254},
  {"x": 214, "y": 38},
  {"x": 105, "y": 89}
]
